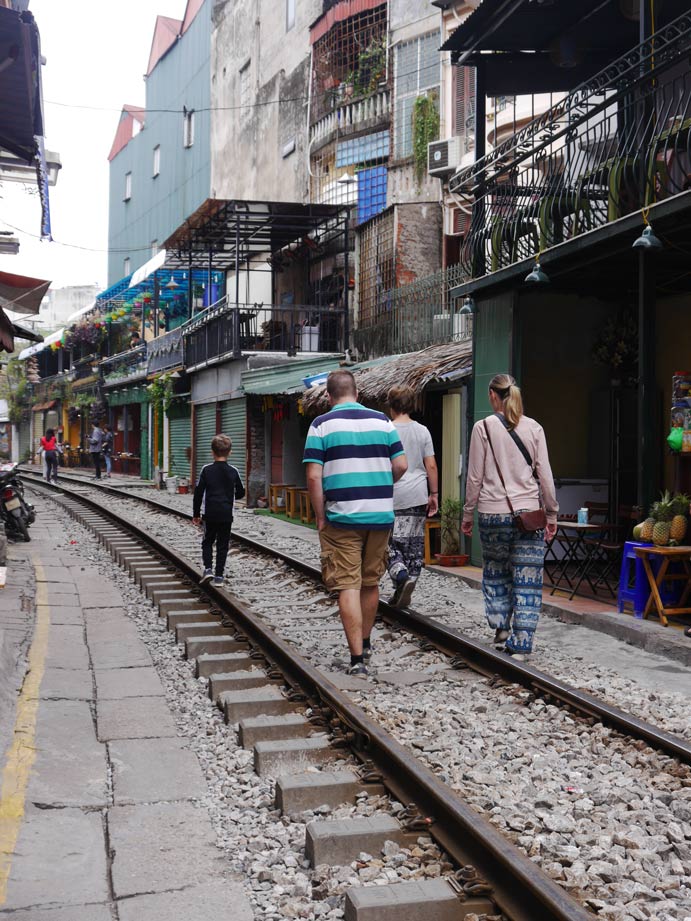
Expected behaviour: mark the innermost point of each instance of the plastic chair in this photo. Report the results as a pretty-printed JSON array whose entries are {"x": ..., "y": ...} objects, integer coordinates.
[{"x": 633, "y": 582}]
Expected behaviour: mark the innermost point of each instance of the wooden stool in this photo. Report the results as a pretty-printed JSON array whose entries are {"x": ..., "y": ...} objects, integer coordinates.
[
  {"x": 292, "y": 507},
  {"x": 431, "y": 524},
  {"x": 306, "y": 514},
  {"x": 276, "y": 490}
]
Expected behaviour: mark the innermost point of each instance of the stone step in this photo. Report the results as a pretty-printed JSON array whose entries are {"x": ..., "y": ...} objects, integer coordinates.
[
  {"x": 269, "y": 728},
  {"x": 210, "y": 663},
  {"x": 195, "y": 646},
  {"x": 237, "y": 705},
  {"x": 239, "y": 680},
  {"x": 289, "y": 756},
  {"x": 339, "y": 841},
  {"x": 431, "y": 899},
  {"x": 298, "y": 792}
]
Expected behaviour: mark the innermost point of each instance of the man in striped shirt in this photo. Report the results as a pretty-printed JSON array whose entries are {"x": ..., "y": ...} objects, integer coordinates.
[{"x": 353, "y": 456}]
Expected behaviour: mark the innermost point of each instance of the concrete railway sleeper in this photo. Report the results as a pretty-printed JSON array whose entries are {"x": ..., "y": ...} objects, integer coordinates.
[
  {"x": 294, "y": 718},
  {"x": 465, "y": 652}
]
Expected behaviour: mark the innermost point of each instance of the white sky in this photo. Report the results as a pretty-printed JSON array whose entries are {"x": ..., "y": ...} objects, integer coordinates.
[{"x": 96, "y": 54}]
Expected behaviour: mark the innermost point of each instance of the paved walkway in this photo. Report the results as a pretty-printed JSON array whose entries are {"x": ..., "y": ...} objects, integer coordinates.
[{"x": 99, "y": 804}]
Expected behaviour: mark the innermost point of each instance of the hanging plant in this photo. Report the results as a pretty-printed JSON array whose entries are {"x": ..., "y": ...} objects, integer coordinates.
[
  {"x": 425, "y": 130},
  {"x": 617, "y": 346},
  {"x": 161, "y": 392}
]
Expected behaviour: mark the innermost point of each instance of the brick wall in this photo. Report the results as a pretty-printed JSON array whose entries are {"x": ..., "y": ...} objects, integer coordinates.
[{"x": 256, "y": 478}]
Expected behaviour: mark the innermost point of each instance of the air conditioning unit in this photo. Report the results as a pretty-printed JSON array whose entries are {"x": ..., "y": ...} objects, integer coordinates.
[{"x": 444, "y": 157}]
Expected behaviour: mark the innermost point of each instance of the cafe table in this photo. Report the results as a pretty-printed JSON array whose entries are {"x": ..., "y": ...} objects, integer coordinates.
[
  {"x": 666, "y": 556},
  {"x": 577, "y": 553}
]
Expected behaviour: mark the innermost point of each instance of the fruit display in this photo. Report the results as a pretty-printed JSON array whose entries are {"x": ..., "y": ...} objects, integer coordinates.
[{"x": 667, "y": 522}]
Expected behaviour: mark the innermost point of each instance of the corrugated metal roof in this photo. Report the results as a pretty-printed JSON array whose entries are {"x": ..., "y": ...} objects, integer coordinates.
[
  {"x": 286, "y": 378},
  {"x": 343, "y": 10},
  {"x": 166, "y": 33}
]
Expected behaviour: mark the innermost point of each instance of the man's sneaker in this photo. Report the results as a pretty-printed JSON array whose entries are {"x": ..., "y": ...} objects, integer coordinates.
[
  {"x": 367, "y": 653},
  {"x": 359, "y": 670},
  {"x": 500, "y": 637},
  {"x": 208, "y": 576},
  {"x": 218, "y": 580},
  {"x": 406, "y": 594}
]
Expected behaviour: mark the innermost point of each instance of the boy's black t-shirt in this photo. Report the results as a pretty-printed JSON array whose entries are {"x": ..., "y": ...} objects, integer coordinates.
[{"x": 218, "y": 487}]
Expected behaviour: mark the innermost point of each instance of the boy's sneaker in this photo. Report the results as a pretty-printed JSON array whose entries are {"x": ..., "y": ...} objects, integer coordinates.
[
  {"x": 208, "y": 576},
  {"x": 359, "y": 670},
  {"x": 218, "y": 580},
  {"x": 406, "y": 594}
]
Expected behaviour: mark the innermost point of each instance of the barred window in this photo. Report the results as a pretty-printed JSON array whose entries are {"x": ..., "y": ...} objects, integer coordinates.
[{"x": 416, "y": 74}]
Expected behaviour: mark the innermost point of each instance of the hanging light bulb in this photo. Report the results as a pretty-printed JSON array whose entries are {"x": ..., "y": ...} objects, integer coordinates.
[
  {"x": 536, "y": 276},
  {"x": 647, "y": 241},
  {"x": 467, "y": 308},
  {"x": 172, "y": 284}
]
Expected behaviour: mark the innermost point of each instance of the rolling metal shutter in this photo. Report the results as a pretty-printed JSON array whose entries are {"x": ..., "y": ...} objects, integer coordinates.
[
  {"x": 234, "y": 424},
  {"x": 180, "y": 423},
  {"x": 204, "y": 431}
]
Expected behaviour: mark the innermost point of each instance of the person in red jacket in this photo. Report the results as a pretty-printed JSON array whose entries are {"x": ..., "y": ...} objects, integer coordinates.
[{"x": 49, "y": 443}]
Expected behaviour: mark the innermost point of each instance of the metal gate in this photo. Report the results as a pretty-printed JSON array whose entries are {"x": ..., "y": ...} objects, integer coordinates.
[
  {"x": 180, "y": 425},
  {"x": 234, "y": 424},
  {"x": 204, "y": 431}
]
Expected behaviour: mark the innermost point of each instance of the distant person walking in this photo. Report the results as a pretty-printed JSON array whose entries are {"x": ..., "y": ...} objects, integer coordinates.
[
  {"x": 218, "y": 487},
  {"x": 96, "y": 447},
  {"x": 415, "y": 497},
  {"x": 49, "y": 443},
  {"x": 353, "y": 455},
  {"x": 509, "y": 473},
  {"x": 108, "y": 448}
]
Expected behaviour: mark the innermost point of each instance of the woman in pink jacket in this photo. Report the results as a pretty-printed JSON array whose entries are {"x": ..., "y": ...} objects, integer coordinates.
[{"x": 513, "y": 560}]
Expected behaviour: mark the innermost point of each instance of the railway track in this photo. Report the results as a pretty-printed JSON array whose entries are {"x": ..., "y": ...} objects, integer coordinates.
[
  {"x": 462, "y": 650},
  {"x": 221, "y": 632}
]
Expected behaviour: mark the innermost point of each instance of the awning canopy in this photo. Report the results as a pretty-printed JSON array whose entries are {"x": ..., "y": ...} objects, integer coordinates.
[
  {"x": 35, "y": 349},
  {"x": 438, "y": 364},
  {"x": 21, "y": 293},
  {"x": 286, "y": 378},
  {"x": 142, "y": 273},
  {"x": 224, "y": 231},
  {"x": 21, "y": 117},
  {"x": 530, "y": 46}
]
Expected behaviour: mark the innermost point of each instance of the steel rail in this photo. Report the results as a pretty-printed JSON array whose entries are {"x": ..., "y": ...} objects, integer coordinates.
[
  {"x": 481, "y": 658},
  {"x": 520, "y": 889}
]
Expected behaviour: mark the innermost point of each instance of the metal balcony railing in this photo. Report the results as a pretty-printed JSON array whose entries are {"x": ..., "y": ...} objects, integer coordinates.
[
  {"x": 350, "y": 116},
  {"x": 618, "y": 143},
  {"x": 124, "y": 367},
  {"x": 226, "y": 328},
  {"x": 414, "y": 316}
]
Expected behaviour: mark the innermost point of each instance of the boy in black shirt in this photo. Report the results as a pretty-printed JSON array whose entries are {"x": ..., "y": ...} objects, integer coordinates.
[{"x": 219, "y": 485}]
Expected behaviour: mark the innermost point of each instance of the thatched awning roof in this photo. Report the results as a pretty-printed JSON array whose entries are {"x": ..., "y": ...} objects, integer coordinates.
[{"x": 452, "y": 361}]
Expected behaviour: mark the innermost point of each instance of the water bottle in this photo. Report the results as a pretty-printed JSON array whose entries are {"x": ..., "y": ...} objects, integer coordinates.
[{"x": 583, "y": 516}]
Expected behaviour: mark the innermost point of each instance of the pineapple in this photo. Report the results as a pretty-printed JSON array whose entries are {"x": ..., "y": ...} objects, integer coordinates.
[
  {"x": 647, "y": 530},
  {"x": 680, "y": 508},
  {"x": 663, "y": 512}
]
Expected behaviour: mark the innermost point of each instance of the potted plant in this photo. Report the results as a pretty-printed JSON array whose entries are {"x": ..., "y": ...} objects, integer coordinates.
[{"x": 451, "y": 555}]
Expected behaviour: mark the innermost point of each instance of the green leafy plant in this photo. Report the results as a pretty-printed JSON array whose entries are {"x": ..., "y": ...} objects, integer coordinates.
[
  {"x": 451, "y": 525},
  {"x": 425, "y": 130},
  {"x": 617, "y": 345},
  {"x": 161, "y": 392},
  {"x": 15, "y": 388}
]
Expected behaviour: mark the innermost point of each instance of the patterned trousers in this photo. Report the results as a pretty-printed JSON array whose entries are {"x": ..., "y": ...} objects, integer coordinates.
[
  {"x": 406, "y": 544},
  {"x": 512, "y": 569}
]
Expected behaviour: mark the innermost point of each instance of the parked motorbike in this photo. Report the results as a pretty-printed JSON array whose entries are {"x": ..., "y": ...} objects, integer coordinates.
[{"x": 15, "y": 511}]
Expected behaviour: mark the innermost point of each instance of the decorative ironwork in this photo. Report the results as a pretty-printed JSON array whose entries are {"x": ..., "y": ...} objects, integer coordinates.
[
  {"x": 618, "y": 143},
  {"x": 414, "y": 316},
  {"x": 125, "y": 367},
  {"x": 165, "y": 351}
]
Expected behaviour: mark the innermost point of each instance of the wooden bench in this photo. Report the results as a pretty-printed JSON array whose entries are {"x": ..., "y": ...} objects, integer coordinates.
[
  {"x": 306, "y": 512},
  {"x": 667, "y": 555},
  {"x": 276, "y": 491},
  {"x": 431, "y": 524},
  {"x": 292, "y": 501}
]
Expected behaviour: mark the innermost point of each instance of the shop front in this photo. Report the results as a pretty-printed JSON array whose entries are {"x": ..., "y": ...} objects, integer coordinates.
[{"x": 128, "y": 414}]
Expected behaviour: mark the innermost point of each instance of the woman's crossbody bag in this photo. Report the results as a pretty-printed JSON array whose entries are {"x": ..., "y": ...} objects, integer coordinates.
[{"x": 528, "y": 522}]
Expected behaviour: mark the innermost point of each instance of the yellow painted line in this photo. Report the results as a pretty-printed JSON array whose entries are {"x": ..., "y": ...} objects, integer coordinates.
[{"x": 20, "y": 757}]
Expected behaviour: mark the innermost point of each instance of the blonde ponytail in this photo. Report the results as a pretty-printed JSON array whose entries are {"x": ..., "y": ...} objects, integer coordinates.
[{"x": 510, "y": 394}]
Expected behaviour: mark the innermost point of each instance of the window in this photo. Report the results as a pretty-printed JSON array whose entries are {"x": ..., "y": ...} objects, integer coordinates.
[
  {"x": 290, "y": 14},
  {"x": 188, "y": 128},
  {"x": 128, "y": 186},
  {"x": 154, "y": 248},
  {"x": 127, "y": 265},
  {"x": 245, "y": 87},
  {"x": 416, "y": 74},
  {"x": 157, "y": 160}
]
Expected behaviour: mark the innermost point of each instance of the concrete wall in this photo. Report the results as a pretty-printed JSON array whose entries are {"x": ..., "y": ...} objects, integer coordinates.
[
  {"x": 256, "y": 451},
  {"x": 217, "y": 383},
  {"x": 160, "y": 204},
  {"x": 248, "y": 145}
]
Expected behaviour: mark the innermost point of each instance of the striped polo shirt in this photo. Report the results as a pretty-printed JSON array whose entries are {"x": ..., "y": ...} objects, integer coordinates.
[{"x": 355, "y": 446}]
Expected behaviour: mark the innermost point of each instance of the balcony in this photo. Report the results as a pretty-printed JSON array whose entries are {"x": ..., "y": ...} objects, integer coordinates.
[
  {"x": 227, "y": 330},
  {"x": 619, "y": 143},
  {"x": 124, "y": 368},
  {"x": 165, "y": 352},
  {"x": 350, "y": 116}
]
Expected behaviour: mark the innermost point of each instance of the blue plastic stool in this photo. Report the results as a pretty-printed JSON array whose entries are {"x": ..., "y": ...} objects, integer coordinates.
[{"x": 633, "y": 583}]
